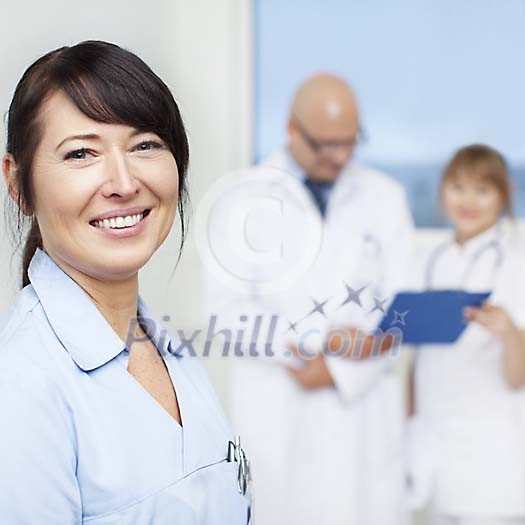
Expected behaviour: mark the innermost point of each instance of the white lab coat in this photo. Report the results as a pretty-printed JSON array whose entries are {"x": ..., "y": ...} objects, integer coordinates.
[
  {"x": 331, "y": 455},
  {"x": 467, "y": 456}
]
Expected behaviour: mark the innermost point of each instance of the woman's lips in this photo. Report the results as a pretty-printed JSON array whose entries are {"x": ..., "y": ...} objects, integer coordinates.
[
  {"x": 467, "y": 214},
  {"x": 127, "y": 231}
]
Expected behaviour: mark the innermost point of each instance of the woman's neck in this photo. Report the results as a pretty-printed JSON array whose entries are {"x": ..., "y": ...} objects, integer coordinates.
[
  {"x": 463, "y": 237},
  {"x": 117, "y": 300}
]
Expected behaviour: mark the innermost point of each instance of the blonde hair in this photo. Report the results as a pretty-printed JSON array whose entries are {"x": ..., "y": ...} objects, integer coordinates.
[{"x": 486, "y": 164}]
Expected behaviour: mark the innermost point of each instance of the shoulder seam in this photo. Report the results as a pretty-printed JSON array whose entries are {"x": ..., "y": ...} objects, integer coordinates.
[{"x": 15, "y": 328}]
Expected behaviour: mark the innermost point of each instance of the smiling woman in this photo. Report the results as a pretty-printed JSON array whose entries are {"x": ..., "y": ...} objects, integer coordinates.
[
  {"x": 106, "y": 421},
  {"x": 101, "y": 110}
]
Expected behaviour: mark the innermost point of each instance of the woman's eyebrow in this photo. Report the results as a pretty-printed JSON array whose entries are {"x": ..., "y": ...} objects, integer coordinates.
[{"x": 94, "y": 136}]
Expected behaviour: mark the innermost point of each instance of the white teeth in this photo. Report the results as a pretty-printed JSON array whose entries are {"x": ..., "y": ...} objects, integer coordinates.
[{"x": 120, "y": 222}]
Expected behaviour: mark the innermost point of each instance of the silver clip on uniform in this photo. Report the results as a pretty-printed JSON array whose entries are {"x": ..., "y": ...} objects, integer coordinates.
[{"x": 237, "y": 454}]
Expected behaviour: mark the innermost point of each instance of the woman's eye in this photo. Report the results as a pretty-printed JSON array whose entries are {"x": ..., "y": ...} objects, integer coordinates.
[
  {"x": 149, "y": 145},
  {"x": 77, "y": 154}
]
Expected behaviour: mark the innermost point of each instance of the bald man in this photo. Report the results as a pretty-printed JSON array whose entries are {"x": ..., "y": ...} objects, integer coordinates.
[
  {"x": 323, "y": 127},
  {"x": 323, "y": 247}
]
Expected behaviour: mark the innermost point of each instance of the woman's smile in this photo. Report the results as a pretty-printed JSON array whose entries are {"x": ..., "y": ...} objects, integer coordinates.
[{"x": 123, "y": 223}]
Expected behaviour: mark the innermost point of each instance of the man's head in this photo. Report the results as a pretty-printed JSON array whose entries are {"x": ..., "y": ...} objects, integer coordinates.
[{"x": 323, "y": 126}]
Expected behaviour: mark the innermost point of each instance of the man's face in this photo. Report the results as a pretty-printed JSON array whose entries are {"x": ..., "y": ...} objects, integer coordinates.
[{"x": 323, "y": 146}]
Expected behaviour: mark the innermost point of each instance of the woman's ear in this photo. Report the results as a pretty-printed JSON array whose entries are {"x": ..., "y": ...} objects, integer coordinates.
[{"x": 9, "y": 170}]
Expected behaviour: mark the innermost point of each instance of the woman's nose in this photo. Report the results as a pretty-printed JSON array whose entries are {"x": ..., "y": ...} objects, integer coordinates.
[{"x": 120, "y": 179}]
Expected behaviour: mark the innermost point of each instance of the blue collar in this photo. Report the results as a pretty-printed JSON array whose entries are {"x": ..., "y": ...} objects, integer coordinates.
[{"x": 77, "y": 322}]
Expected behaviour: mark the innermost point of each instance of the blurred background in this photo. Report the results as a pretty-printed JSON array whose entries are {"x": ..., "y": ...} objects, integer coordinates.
[{"x": 431, "y": 75}]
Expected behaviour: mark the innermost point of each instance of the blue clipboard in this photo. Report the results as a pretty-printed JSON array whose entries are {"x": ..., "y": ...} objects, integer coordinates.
[{"x": 432, "y": 317}]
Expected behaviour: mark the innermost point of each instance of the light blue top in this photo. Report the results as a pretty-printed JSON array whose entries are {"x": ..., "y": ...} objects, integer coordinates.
[{"x": 81, "y": 441}]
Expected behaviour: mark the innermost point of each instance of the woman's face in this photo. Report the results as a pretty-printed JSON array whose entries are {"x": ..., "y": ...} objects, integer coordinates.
[
  {"x": 84, "y": 172},
  {"x": 472, "y": 205}
]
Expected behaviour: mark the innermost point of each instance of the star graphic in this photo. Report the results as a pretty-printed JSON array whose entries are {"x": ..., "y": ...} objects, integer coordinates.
[
  {"x": 399, "y": 318},
  {"x": 292, "y": 326},
  {"x": 353, "y": 296},
  {"x": 379, "y": 305},
  {"x": 318, "y": 307}
]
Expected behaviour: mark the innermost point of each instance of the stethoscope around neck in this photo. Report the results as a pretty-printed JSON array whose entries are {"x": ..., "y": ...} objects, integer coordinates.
[{"x": 494, "y": 245}]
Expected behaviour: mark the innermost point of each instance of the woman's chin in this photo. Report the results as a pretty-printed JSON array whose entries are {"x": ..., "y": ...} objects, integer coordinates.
[
  {"x": 470, "y": 230},
  {"x": 118, "y": 264}
]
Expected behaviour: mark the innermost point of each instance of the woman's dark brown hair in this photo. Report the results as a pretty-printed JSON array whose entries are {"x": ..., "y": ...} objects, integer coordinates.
[
  {"x": 486, "y": 164},
  {"x": 108, "y": 84}
]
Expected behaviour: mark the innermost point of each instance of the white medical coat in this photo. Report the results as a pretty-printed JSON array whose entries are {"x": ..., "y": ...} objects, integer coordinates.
[
  {"x": 331, "y": 455},
  {"x": 467, "y": 437}
]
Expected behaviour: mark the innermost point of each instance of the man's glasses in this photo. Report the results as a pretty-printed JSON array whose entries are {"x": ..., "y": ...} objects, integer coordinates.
[{"x": 329, "y": 147}]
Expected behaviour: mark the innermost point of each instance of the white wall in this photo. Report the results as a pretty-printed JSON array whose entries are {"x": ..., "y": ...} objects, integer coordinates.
[{"x": 210, "y": 69}]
